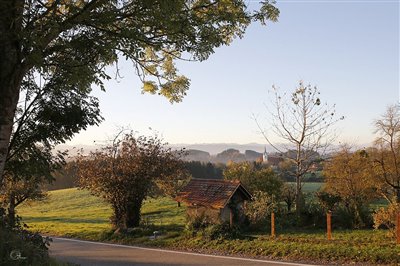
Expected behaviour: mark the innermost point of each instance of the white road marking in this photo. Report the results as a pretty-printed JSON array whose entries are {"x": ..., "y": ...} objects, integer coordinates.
[{"x": 185, "y": 253}]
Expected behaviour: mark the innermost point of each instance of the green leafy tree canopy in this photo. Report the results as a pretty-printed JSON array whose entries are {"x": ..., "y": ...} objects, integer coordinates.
[
  {"x": 71, "y": 43},
  {"x": 255, "y": 177}
]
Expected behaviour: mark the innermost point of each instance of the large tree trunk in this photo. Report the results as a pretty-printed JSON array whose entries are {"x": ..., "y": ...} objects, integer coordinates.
[
  {"x": 11, "y": 210},
  {"x": 132, "y": 218},
  {"x": 11, "y": 71},
  {"x": 117, "y": 219},
  {"x": 8, "y": 103}
]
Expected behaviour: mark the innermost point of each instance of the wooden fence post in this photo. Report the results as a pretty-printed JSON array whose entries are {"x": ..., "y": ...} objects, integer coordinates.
[
  {"x": 329, "y": 225},
  {"x": 398, "y": 228},
  {"x": 273, "y": 224}
]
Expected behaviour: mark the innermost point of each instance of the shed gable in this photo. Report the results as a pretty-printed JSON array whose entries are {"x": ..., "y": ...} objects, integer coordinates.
[{"x": 211, "y": 193}]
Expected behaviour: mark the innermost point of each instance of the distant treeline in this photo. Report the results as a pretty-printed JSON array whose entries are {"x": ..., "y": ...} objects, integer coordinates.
[
  {"x": 205, "y": 170},
  {"x": 66, "y": 178}
]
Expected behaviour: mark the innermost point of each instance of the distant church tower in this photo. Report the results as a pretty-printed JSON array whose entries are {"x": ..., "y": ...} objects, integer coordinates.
[{"x": 265, "y": 155}]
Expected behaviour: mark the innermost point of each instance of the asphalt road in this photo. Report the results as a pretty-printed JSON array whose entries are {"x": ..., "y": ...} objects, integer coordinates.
[{"x": 102, "y": 254}]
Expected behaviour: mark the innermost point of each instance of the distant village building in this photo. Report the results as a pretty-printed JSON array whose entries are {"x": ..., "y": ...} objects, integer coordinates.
[
  {"x": 272, "y": 159},
  {"x": 220, "y": 200},
  {"x": 265, "y": 155}
]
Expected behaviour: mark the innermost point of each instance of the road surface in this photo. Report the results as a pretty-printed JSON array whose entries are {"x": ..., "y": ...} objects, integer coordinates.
[{"x": 104, "y": 254}]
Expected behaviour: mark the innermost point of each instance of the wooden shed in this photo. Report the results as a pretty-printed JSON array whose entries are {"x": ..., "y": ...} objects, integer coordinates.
[{"x": 220, "y": 200}]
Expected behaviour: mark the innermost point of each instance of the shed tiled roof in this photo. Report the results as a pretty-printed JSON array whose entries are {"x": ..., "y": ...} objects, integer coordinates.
[{"x": 214, "y": 193}]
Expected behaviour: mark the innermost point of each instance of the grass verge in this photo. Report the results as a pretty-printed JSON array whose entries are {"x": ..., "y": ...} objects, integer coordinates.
[{"x": 75, "y": 213}]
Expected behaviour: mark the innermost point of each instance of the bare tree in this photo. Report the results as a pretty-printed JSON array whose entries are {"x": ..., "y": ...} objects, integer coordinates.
[
  {"x": 304, "y": 125},
  {"x": 386, "y": 156}
]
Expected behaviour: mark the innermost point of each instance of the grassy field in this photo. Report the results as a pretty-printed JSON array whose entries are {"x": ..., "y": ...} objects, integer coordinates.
[
  {"x": 67, "y": 212},
  {"x": 75, "y": 213},
  {"x": 309, "y": 186}
]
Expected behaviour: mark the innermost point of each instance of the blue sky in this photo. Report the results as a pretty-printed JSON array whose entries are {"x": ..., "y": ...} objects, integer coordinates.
[{"x": 348, "y": 49}]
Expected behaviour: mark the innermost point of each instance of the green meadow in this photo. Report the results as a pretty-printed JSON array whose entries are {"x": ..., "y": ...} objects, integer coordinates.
[
  {"x": 309, "y": 187},
  {"x": 76, "y": 213}
]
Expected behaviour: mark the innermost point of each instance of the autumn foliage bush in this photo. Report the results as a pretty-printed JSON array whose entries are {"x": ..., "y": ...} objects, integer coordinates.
[
  {"x": 259, "y": 209},
  {"x": 386, "y": 218},
  {"x": 196, "y": 223},
  {"x": 127, "y": 172}
]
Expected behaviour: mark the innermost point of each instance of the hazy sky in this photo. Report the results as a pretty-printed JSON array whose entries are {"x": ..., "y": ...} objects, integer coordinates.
[{"x": 348, "y": 49}]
